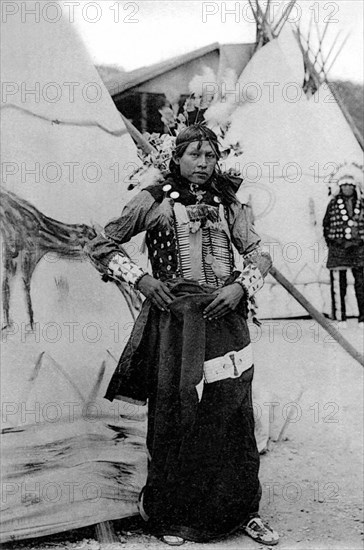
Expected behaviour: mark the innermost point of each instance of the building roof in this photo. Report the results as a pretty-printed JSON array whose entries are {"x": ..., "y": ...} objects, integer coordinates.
[{"x": 118, "y": 83}]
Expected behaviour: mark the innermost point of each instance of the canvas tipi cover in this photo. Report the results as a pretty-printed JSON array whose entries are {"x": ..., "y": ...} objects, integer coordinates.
[
  {"x": 290, "y": 148},
  {"x": 69, "y": 457}
]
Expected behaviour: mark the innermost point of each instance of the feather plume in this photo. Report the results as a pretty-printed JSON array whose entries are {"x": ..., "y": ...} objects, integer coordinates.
[
  {"x": 165, "y": 212},
  {"x": 219, "y": 113},
  {"x": 172, "y": 95},
  {"x": 229, "y": 86},
  {"x": 197, "y": 86},
  {"x": 225, "y": 102},
  {"x": 145, "y": 177}
]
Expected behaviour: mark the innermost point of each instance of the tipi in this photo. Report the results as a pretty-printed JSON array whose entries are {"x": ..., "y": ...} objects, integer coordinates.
[
  {"x": 65, "y": 154},
  {"x": 290, "y": 147}
]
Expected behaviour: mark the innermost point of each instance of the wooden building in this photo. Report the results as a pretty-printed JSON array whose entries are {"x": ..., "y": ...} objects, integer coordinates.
[{"x": 140, "y": 93}]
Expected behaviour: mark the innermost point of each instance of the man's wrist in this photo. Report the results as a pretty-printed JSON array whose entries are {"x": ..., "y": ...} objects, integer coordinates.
[
  {"x": 141, "y": 276},
  {"x": 250, "y": 279},
  {"x": 243, "y": 288}
]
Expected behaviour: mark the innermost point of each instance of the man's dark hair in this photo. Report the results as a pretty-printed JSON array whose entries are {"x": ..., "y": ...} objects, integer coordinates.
[
  {"x": 223, "y": 185},
  {"x": 195, "y": 132}
]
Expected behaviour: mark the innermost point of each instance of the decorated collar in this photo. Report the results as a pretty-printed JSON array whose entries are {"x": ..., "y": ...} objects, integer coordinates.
[
  {"x": 181, "y": 190},
  {"x": 220, "y": 189}
]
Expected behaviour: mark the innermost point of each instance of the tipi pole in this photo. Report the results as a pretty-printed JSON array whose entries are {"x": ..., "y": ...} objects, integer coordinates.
[
  {"x": 262, "y": 20},
  {"x": 339, "y": 51},
  {"x": 317, "y": 79},
  {"x": 321, "y": 40},
  {"x": 286, "y": 13},
  {"x": 333, "y": 46},
  {"x": 325, "y": 30},
  {"x": 137, "y": 136},
  {"x": 310, "y": 28},
  {"x": 315, "y": 314},
  {"x": 259, "y": 33},
  {"x": 267, "y": 11}
]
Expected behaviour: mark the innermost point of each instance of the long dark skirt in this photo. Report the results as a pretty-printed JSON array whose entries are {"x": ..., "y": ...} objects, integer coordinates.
[
  {"x": 206, "y": 485},
  {"x": 203, "y": 472}
]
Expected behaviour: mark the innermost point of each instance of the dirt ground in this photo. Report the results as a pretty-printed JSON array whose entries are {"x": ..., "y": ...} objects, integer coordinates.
[{"x": 312, "y": 479}]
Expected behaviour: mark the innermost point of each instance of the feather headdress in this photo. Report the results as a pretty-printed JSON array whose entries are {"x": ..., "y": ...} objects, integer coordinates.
[
  {"x": 351, "y": 173},
  {"x": 207, "y": 107}
]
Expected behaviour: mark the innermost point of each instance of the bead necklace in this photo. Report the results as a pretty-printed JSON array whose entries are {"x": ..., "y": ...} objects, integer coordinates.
[
  {"x": 197, "y": 192},
  {"x": 345, "y": 217}
]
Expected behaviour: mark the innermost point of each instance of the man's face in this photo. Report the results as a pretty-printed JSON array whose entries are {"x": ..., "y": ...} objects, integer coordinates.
[
  {"x": 198, "y": 162},
  {"x": 347, "y": 189}
]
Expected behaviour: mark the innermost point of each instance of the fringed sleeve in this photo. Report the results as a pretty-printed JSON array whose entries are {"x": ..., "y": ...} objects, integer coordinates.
[
  {"x": 106, "y": 251},
  {"x": 247, "y": 242}
]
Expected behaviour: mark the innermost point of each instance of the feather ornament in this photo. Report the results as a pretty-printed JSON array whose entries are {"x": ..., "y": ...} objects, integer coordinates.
[
  {"x": 145, "y": 177},
  {"x": 165, "y": 213},
  {"x": 198, "y": 85}
]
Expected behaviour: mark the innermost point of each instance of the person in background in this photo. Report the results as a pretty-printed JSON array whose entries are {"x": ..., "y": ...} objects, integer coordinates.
[
  {"x": 343, "y": 227},
  {"x": 189, "y": 355}
]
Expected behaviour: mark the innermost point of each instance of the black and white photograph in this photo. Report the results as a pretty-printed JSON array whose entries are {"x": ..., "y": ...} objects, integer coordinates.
[{"x": 182, "y": 274}]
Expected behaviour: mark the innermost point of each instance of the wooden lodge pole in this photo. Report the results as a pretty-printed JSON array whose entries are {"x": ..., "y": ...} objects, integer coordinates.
[
  {"x": 315, "y": 314},
  {"x": 137, "y": 136}
]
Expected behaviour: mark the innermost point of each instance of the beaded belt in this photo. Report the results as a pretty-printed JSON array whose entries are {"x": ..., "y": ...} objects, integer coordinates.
[{"x": 230, "y": 365}]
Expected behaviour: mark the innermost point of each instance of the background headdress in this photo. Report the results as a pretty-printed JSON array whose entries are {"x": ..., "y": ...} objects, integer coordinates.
[{"x": 350, "y": 173}]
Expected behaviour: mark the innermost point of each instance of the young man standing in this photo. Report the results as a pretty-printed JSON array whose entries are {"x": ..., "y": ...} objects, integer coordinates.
[{"x": 189, "y": 354}]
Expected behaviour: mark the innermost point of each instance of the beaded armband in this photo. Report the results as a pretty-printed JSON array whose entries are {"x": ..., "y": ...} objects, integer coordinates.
[
  {"x": 250, "y": 279},
  {"x": 260, "y": 259},
  {"x": 121, "y": 267}
]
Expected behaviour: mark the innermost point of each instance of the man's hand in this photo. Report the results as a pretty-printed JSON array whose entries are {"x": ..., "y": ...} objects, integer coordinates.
[
  {"x": 157, "y": 292},
  {"x": 227, "y": 299}
]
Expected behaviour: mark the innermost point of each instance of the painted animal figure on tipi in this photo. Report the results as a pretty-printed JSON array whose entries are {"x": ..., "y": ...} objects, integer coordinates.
[{"x": 28, "y": 235}]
